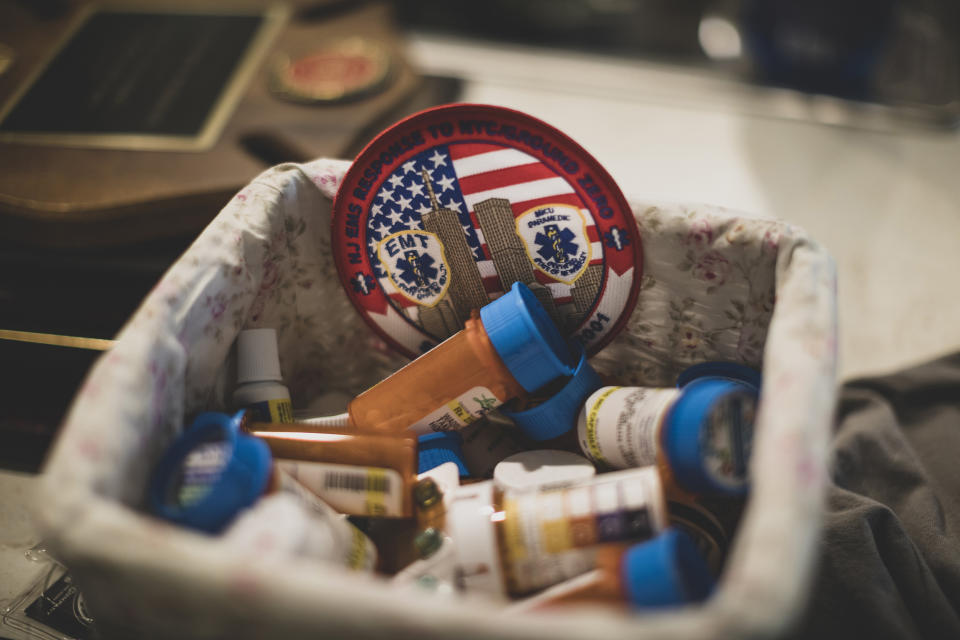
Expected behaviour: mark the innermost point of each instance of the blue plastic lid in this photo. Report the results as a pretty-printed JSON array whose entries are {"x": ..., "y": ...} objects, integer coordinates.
[
  {"x": 223, "y": 491},
  {"x": 558, "y": 414},
  {"x": 526, "y": 339},
  {"x": 438, "y": 448},
  {"x": 665, "y": 571},
  {"x": 725, "y": 370},
  {"x": 708, "y": 449}
]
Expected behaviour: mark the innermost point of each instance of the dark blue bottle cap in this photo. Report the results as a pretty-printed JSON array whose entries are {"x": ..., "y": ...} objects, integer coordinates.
[
  {"x": 665, "y": 571},
  {"x": 558, "y": 414},
  {"x": 526, "y": 339},
  {"x": 207, "y": 496},
  {"x": 438, "y": 448},
  {"x": 708, "y": 436},
  {"x": 725, "y": 370}
]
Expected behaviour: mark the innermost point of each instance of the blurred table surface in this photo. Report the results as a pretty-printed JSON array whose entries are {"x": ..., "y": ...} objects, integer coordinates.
[{"x": 883, "y": 197}]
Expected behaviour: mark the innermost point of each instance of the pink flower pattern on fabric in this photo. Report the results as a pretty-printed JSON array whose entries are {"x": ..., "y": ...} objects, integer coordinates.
[
  {"x": 712, "y": 268},
  {"x": 700, "y": 235}
]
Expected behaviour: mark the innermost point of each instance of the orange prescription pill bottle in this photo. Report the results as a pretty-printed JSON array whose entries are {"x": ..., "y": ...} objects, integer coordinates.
[
  {"x": 516, "y": 542},
  {"x": 364, "y": 474},
  {"x": 430, "y": 507},
  {"x": 510, "y": 347},
  {"x": 664, "y": 571}
]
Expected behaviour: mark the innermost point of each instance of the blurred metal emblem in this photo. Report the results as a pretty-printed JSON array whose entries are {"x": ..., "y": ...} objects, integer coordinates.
[{"x": 342, "y": 70}]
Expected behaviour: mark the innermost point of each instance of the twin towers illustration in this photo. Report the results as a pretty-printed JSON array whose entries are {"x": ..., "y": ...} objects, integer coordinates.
[{"x": 466, "y": 291}]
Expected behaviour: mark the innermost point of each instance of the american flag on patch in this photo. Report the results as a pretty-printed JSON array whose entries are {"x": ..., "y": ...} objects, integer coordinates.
[{"x": 462, "y": 175}]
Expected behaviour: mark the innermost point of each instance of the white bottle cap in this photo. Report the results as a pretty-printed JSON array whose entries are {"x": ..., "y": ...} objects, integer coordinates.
[
  {"x": 542, "y": 469},
  {"x": 257, "y": 357},
  {"x": 475, "y": 543}
]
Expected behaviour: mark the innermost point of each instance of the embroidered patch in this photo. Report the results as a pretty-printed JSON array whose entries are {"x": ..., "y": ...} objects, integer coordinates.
[
  {"x": 415, "y": 264},
  {"x": 556, "y": 240},
  {"x": 445, "y": 210}
]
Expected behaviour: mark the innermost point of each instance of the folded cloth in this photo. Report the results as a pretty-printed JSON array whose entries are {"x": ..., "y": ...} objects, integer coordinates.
[{"x": 889, "y": 562}]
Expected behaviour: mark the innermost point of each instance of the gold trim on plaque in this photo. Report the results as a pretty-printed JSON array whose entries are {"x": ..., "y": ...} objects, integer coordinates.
[
  {"x": 275, "y": 17},
  {"x": 94, "y": 344}
]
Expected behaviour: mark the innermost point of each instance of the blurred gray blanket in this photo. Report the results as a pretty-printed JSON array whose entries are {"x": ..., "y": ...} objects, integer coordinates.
[{"x": 890, "y": 559}]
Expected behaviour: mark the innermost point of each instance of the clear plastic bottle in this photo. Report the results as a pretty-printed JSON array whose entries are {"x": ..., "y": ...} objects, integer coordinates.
[
  {"x": 516, "y": 542},
  {"x": 260, "y": 389},
  {"x": 430, "y": 507},
  {"x": 508, "y": 348},
  {"x": 699, "y": 436}
]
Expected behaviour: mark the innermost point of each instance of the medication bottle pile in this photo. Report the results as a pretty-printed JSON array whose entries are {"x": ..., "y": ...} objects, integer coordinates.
[{"x": 498, "y": 464}]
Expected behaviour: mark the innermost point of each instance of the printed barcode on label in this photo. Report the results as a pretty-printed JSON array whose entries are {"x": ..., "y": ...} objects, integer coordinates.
[
  {"x": 445, "y": 422},
  {"x": 376, "y": 483}
]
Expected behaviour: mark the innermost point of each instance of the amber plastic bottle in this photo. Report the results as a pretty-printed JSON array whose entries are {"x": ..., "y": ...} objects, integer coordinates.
[
  {"x": 363, "y": 474},
  {"x": 430, "y": 508},
  {"x": 664, "y": 571},
  {"x": 508, "y": 348}
]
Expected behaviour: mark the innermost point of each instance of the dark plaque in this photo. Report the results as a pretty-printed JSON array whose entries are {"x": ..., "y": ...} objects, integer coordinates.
[{"x": 133, "y": 79}]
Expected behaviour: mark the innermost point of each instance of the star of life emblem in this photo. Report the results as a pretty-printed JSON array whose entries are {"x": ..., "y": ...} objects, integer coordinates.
[
  {"x": 415, "y": 263},
  {"x": 555, "y": 236}
]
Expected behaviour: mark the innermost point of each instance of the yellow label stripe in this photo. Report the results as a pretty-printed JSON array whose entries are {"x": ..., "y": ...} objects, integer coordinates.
[
  {"x": 592, "y": 440},
  {"x": 376, "y": 503},
  {"x": 357, "y": 556},
  {"x": 280, "y": 410},
  {"x": 460, "y": 412}
]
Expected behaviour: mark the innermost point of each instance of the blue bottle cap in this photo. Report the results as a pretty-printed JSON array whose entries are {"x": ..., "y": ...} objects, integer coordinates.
[
  {"x": 725, "y": 370},
  {"x": 438, "y": 448},
  {"x": 708, "y": 435},
  {"x": 205, "y": 493},
  {"x": 526, "y": 339},
  {"x": 558, "y": 414},
  {"x": 665, "y": 571}
]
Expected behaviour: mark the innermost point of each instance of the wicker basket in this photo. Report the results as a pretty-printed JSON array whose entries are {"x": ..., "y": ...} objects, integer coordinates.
[{"x": 716, "y": 286}]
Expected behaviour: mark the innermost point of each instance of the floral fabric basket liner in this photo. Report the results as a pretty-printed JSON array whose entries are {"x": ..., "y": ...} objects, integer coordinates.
[{"x": 716, "y": 286}]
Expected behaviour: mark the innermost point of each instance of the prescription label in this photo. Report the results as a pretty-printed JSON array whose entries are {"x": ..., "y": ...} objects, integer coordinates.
[
  {"x": 353, "y": 490},
  {"x": 620, "y": 426},
  {"x": 465, "y": 409},
  {"x": 276, "y": 410}
]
